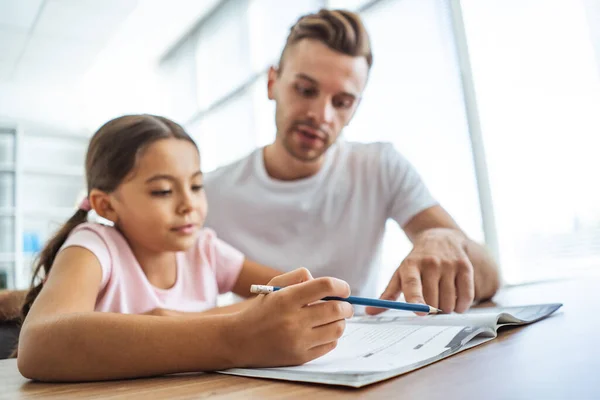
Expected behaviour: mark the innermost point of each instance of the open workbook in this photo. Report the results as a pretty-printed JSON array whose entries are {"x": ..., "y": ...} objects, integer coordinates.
[{"x": 376, "y": 348}]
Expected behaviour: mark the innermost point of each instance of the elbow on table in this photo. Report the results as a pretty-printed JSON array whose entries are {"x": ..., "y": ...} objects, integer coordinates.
[{"x": 34, "y": 361}]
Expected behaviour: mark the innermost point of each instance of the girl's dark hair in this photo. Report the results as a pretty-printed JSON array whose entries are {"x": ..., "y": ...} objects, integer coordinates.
[{"x": 111, "y": 155}]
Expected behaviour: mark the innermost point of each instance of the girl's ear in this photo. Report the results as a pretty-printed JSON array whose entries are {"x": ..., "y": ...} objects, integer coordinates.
[{"x": 101, "y": 203}]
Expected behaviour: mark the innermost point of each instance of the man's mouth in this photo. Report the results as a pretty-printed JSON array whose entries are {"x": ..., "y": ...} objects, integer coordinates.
[{"x": 310, "y": 133}]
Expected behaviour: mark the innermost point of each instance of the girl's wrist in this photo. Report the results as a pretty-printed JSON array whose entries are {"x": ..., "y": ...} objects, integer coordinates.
[{"x": 233, "y": 334}]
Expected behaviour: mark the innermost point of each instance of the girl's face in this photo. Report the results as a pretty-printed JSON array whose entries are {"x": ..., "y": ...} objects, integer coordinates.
[{"x": 161, "y": 204}]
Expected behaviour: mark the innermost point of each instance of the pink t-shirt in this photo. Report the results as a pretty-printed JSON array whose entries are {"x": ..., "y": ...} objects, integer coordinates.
[{"x": 209, "y": 268}]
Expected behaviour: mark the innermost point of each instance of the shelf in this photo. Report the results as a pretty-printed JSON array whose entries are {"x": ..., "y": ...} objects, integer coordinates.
[
  {"x": 44, "y": 170},
  {"x": 7, "y": 212},
  {"x": 75, "y": 172},
  {"x": 84, "y": 140},
  {"x": 38, "y": 158},
  {"x": 49, "y": 212},
  {"x": 7, "y": 257},
  {"x": 4, "y": 167}
]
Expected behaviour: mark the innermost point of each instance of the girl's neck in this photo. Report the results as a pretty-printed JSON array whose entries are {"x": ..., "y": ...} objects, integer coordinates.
[{"x": 159, "y": 267}]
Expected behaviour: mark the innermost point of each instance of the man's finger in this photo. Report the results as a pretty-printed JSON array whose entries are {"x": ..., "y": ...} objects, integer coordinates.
[
  {"x": 411, "y": 284},
  {"x": 466, "y": 290},
  {"x": 431, "y": 289},
  {"x": 447, "y": 293},
  {"x": 314, "y": 290},
  {"x": 391, "y": 292}
]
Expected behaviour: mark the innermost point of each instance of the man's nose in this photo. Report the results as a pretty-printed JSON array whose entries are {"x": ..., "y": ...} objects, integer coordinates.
[{"x": 322, "y": 111}]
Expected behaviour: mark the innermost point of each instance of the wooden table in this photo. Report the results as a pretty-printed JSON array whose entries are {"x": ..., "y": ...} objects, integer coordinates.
[{"x": 557, "y": 358}]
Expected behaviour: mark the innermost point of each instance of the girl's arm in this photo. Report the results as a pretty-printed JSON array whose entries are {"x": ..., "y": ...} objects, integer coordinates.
[
  {"x": 228, "y": 309},
  {"x": 63, "y": 339}
]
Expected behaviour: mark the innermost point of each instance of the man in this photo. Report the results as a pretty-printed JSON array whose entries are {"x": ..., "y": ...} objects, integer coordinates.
[{"x": 311, "y": 200}]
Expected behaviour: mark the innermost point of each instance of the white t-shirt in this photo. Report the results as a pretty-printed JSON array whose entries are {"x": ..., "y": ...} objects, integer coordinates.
[{"x": 331, "y": 223}]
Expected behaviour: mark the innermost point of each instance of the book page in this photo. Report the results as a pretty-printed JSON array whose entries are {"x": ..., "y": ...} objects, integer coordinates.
[
  {"x": 376, "y": 346},
  {"x": 525, "y": 314},
  {"x": 488, "y": 320},
  {"x": 492, "y": 317}
]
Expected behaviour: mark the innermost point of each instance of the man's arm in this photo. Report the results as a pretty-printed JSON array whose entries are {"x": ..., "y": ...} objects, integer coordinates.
[{"x": 445, "y": 269}]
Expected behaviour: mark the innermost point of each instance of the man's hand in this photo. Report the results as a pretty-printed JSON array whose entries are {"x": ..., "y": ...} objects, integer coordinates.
[{"x": 437, "y": 272}]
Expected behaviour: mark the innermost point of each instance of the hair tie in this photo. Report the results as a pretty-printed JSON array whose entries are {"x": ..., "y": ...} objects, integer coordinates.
[{"x": 85, "y": 204}]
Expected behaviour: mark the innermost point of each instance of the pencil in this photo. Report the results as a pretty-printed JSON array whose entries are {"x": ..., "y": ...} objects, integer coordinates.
[{"x": 361, "y": 301}]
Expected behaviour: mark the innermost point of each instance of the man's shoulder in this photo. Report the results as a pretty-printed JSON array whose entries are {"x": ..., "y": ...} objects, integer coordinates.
[
  {"x": 365, "y": 148},
  {"x": 232, "y": 171}
]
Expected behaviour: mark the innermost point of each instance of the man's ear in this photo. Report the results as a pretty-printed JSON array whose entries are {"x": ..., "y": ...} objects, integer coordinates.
[
  {"x": 101, "y": 202},
  {"x": 272, "y": 77}
]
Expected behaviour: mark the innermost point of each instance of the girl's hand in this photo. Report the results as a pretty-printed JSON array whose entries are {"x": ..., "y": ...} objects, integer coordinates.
[{"x": 291, "y": 326}]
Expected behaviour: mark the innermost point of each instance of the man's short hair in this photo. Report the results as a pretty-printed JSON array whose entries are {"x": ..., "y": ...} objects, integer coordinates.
[{"x": 340, "y": 30}]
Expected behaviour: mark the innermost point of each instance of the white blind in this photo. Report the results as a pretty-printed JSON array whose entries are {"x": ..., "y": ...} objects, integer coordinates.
[
  {"x": 222, "y": 54},
  {"x": 269, "y": 25},
  {"x": 243, "y": 38},
  {"x": 414, "y": 100},
  {"x": 538, "y": 88}
]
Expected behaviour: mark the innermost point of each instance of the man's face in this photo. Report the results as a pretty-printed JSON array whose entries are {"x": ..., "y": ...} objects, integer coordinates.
[{"x": 316, "y": 93}]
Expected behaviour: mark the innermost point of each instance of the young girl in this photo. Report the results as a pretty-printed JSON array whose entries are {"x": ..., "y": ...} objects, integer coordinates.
[{"x": 143, "y": 174}]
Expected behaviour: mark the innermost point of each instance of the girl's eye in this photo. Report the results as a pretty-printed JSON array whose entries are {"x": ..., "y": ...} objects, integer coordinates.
[
  {"x": 160, "y": 193},
  {"x": 197, "y": 188}
]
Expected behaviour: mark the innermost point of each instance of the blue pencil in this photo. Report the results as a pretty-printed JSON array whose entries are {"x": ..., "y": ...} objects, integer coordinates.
[{"x": 361, "y": 301}]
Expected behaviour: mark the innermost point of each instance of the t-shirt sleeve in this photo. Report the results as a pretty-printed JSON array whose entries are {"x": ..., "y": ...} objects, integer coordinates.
[
  {"x": 92, "y": 241},
  {"x": 227, "y": 262},
  {"x": 407, "y": 192}
]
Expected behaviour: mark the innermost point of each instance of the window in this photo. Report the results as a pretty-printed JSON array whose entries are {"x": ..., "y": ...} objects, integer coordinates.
[
  {"x": 235, "y": 47},
  {"x": 538, "y": 89},
  {"x": 264, "y": 112},
  {"x": 414, "y": 100},
  {"x": 270, "y": 22},
  {"x": 227, "y": 133},
  {"x": 222, "y": 53},
  {"x": 353, "y": 5}
]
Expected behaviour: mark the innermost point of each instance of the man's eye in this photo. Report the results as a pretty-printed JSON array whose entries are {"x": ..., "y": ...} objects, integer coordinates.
[
  {"x": 306, "y": 91},
  {"x": 197, "y": 188},
  {"x": 343, "y": 103}
]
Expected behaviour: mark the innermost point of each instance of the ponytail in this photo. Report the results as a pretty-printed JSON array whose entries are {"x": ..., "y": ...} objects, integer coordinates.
[{"x": 45, "y": 260}]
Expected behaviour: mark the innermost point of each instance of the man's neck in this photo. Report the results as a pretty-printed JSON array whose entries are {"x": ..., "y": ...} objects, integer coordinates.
[{"x": 280, "y": 165}]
